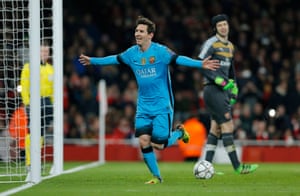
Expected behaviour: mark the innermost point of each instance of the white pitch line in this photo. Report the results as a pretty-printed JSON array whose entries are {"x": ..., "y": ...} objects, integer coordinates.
[{"x": 69, "y": 171}]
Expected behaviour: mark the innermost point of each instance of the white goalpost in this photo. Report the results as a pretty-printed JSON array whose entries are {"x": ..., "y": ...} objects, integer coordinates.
[
  {"x": 25, "y": 24},
  {"x": 102, "y": 113}
]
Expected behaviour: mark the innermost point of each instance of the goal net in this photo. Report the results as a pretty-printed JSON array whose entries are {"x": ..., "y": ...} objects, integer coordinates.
[{"x": 20, "y": 49}]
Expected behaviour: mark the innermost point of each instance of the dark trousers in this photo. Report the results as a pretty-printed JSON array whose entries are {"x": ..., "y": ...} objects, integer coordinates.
[{"x": 46, "y": 114}]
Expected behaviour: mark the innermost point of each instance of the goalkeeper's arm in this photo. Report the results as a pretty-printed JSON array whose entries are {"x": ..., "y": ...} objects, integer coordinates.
[
  {"x": 224, "y": 82},
  {"x": 221, "y": 81}
]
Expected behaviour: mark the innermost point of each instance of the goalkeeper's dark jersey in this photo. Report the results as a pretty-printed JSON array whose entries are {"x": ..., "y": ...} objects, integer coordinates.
[{"x": 221, "y": 51}]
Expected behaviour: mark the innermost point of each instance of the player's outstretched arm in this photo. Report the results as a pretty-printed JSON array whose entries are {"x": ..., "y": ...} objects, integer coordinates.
[
  {"x": 206, "y": 64},
  {"x": 102, "y": 61},
  {"x": 85, "y": 60}
]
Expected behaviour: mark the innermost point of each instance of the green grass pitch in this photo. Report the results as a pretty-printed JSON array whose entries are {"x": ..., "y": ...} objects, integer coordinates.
[{"x": 127, "y": 178}]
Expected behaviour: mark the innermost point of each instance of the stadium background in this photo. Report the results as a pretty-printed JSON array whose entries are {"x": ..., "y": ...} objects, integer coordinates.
[{"x": 267, "y": 39}]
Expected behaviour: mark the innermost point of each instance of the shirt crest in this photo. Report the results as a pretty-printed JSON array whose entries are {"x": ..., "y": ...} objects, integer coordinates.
[{"x": 152, "y": 59}]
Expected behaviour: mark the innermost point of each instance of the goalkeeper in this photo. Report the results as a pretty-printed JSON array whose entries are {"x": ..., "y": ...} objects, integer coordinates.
[
  {"x": 220, "y": 93},
  {"x": 46, "y": 87}
]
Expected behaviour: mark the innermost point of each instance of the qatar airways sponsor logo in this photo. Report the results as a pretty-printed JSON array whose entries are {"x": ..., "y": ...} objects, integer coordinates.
[{"x": 146, "y": 72}]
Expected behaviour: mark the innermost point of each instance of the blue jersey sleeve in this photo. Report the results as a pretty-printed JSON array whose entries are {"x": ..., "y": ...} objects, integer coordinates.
[
  {"x": 168, "y": 55},
  {"x": 108, "y": 60},
  {"x": 189, "y": 62},
  {"x": 128, "y": 57}
]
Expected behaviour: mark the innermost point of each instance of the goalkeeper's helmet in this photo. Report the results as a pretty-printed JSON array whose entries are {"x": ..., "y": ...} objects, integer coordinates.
[{"x": 216, "y": 19}]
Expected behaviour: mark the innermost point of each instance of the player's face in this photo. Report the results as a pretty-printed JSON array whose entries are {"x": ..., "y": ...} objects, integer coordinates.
[
  {"x": 142, "y": 36},
  {"x": 222, "y": 28},
  {"x": 45, "y": 52}
]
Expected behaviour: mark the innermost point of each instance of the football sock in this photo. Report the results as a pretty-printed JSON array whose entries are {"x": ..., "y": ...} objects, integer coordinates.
[
  {"x": 150, "y": 160},
  {"x": 230, "y": 149},
  {"x": 27, "y": 150},
  {"x": 211, "y": 146},
  {"x": 175, "y": 135}
]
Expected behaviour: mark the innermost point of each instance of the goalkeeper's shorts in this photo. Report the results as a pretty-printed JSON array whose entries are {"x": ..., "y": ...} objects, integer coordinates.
[{"x": 218, "y": 103}]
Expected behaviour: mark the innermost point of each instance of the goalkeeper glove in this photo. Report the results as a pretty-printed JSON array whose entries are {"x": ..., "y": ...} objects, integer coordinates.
[
  {"x": 233, "y": 94},
  {"x": 232, "y": 100},
  {"x": 223, "y": 83}
]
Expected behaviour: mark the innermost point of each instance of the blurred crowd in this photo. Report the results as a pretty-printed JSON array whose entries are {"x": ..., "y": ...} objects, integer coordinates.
[{"x": 267, "y": 39}]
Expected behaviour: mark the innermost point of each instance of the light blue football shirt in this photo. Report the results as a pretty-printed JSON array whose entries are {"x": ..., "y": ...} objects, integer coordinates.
[{"x": 151, "y": 70}]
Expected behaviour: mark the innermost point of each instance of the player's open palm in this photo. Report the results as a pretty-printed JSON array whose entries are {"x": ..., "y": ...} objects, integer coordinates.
[
  {"x": 210, "y": 64},
  {"x": 85, "y": 60}
]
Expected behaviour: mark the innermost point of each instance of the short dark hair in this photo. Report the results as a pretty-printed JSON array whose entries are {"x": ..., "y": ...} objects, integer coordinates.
[
  {"x": 218, "y": 18},
  {"x": 145, "y": 21}
]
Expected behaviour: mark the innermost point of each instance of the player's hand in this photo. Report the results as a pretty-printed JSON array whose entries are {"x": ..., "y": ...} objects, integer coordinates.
[
  {"x": 85, "y": 60},
  {"x": 235, "y": 90},
  {"x": 210, "y": 64},
  {"x": 234, "y": 93},
  {"x": 226, "y": 85},
  {"x": 232, "y": 101}
]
